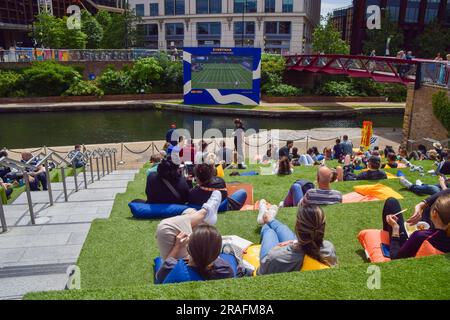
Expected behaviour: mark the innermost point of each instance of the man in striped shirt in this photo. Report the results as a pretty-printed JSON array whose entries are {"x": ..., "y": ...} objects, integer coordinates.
[{"x": 323, "y": 195}]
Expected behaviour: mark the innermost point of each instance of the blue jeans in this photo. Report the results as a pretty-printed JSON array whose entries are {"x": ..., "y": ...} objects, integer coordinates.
[
  {"x": 272, "y": 234},
  {"x": 294, "y": 196},
  {"x": 425, "y": 189},
  {"x": 306, "y": 160},
  {"x": 239, "y": 198}
]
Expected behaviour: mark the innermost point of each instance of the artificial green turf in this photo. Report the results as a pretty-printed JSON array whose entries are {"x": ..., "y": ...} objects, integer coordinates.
[{"x": 116, "y": 259}]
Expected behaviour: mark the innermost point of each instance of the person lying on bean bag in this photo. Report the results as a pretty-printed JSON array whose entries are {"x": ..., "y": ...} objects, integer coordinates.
[
  {"x": 373, "y": 172},
  {"x": 284, "y": 251},
  {"x": 435, "y": 211},
  {"x": 193, "y": 239}
]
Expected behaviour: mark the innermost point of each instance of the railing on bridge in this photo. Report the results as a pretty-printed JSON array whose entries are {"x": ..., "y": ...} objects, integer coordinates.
[
  {"x": 380, "y": 69},
  {"x": 31, "y": 54}
]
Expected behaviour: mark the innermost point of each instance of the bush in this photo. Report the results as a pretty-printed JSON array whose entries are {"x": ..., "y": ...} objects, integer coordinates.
[
  {"x": 272, "y": 66},
  {"x": 10, "y": 82},
  {"x": 441, "y": 108},
  {"x": 284, "y": 90},
  {"x": 144, "y": 73},
  {"x": 48, "y": 78},
  {"x": 84, "y": 88},
  {"x": 339, "y": 89},
  {"x": 171, "y": 79},
  {"x": 115, "y": 82},
  {"x": 395, "y": 92}
]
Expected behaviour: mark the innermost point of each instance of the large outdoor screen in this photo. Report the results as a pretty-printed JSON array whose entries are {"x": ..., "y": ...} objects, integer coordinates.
[{"x": 222, "y": 75}]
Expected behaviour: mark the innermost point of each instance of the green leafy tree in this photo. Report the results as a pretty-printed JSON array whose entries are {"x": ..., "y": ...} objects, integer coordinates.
[
  {"x": 441, "y": 108},
  {"x": 144, "y": 73},
  {"x": 104, "y": 18},
  {"x": 435, "y": 38},
  {"x": 377, "y": 39},
  {"x": 92, "y": 28},
  {"x": 122, "y": 31},
  {"x": 328, "y": 40}
]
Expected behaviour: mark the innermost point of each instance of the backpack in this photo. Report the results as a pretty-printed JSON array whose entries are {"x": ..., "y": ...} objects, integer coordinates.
[{"x": 305, "y": 184}]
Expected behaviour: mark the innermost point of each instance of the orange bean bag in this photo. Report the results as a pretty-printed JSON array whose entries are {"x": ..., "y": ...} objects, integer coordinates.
[
  {"x": 378, "y": 190},
  {"x": 232, "y": 187},
  {"x": 372, "y": 239}
]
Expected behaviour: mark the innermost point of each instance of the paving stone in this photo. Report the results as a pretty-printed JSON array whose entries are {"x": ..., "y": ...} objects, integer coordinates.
[
  {"x": 11, "y": 255},
  {"x": 53, "y": 253},
  {"x": 65, "y": 228},
  {"x": 77, "y": 238},
  {"x": 32, "y": 241},
  {"x": 37, "y": 197},
  {"x": 18, "y": 286}
]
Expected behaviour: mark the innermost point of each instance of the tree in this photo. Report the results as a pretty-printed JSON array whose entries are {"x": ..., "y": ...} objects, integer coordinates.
[
  {"x": 328, "y": 40},
  {"x": 435, "y": 38},
  {"x": 104, "y": 18},
  {"x": 52, "y": 32},
  {"x": 93, "y": 29},
  {"x": 376, "y": 39},
  {"x": 121, "y": 31}
]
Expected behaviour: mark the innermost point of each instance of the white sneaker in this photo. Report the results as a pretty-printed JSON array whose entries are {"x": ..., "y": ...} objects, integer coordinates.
[
  {"x": 281, "y": 204},
  {"x": 262, "y": 211},
  {"x": 404, "y": 182},
  {"x": 272, "y": 213},
  {"x": 212, "y": 207},
  {"x": 418, "y": 182}
]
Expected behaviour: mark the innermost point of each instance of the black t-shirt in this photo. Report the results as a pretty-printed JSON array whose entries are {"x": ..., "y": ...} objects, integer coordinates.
[
  {"x": 445, "y": 168},
  {"x": 284, "y": 152},
  {"x": 199, "y": 196},
  {"x": 158, "y": 192}
]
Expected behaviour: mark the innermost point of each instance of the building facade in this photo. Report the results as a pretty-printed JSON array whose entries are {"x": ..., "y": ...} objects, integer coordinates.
[
  {"x": 411, "y": 15},
  {"x": 342, "y": 19},
  {"x": 17, "y": 16},
  {"x": 279, "y": 26}
]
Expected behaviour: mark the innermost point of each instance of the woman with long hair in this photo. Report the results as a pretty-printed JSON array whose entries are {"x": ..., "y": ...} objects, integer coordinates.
[
  {"x": 284, "y": 166},
  {"x": 283, "y": 250},
  {"x": 193, "y": 238}
]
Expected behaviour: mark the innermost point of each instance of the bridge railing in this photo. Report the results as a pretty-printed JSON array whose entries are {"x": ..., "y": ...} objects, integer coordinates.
[{"x": 436, "y": 73}]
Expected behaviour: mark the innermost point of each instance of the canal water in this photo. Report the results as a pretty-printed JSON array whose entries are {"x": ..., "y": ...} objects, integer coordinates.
[{"x": 20, "y": 130}]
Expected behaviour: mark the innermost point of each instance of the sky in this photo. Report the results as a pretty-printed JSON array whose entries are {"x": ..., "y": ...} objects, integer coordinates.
[{"x": 329, "y": 5}]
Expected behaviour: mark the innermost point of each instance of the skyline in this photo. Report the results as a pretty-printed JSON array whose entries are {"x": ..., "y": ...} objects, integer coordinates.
[{"x": 329, "y": 5}]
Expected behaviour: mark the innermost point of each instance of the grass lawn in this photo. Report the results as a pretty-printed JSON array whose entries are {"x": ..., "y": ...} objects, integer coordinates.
[{"x": 116, "y": 260}]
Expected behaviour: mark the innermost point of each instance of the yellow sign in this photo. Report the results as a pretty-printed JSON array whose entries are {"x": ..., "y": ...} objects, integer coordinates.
[{"x": 366, "y": 134}]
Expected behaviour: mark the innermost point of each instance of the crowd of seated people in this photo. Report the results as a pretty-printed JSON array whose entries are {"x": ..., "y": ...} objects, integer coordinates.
[{"x": 193, "y": 238}]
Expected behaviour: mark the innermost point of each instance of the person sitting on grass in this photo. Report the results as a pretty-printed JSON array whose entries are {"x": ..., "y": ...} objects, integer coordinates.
[
  {"x": 338, "y": 150},
  {"x": 286, "y": 150},
  {"x": 295, "y": 157},
  {"x": 284, "y": 251},
  {"x": 207, "y": 183},
  {"x": 8, "y": 187},
  {"x": 323, "y": 195},
  {"x": 438, "y": 235},
  {"x": 36, "y": 177},
  {"x": 225, "y": 155},
  {"x": 420, "y": 188},
  {"x": 4, "y": 170},
  {"x": 188, "y": 152},
  {"x": 284, "y": 167},
  {"x": 167, "y": 184},
  {"x": 77, "y": 157},
  {"x": 373, "y": 172},
  {"x": 392, "y": 161},
  {"x": 193, "y": 238},
  {"x": 155, "y": 160},
  {"x": 202, "y": 152}
]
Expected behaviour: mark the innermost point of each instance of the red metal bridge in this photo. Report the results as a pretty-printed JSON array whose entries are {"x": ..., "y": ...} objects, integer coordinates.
[{"x": 380, "y": 69}]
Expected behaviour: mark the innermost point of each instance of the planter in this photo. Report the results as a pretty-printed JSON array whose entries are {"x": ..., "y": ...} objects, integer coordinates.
[
  {"x": 317, "y": 99},
  {"x": 119, "y": 97}
]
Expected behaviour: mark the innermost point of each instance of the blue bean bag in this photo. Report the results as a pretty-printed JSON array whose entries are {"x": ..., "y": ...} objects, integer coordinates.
[
  {"x": 183, "y": 273},
  {"x": 155, "y": 211},
  {"x": 251, "y": 173}
]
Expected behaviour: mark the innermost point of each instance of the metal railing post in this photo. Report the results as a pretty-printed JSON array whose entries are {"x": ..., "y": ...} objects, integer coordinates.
[
  {"x": 92, "y": 169},
  {"x": 75, "y": 176},
  {"x": 115, "y": 163},
  {"x": 111, "y": 162},
  {"x": 49, "y": 183},
  {"x": 103, "y": 165},
  {"x": 2, "y": 218},
  {"x": 84, "y": 176},
  {"x": 63, "y": 176},
  {"x": 107, "y": 164},
  {"x": 98, "y": 168},
  {"x": 30, "y": 204}
]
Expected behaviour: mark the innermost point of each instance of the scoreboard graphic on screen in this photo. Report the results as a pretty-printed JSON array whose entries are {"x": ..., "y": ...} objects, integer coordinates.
[{"x": 222, "y": 75}]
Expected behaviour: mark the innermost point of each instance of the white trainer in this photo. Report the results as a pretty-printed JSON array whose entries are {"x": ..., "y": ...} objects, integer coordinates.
[{"x": 212, "y": 207}]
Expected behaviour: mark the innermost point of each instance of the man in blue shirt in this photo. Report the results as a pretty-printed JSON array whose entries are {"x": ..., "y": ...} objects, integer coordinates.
[{"x": 347, "y": 146}]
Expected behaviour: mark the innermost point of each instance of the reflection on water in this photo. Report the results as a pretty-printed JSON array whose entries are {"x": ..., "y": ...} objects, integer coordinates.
[{"x": 21, "y": 130}]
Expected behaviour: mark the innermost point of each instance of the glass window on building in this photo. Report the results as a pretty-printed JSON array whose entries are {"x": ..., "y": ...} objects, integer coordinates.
[
  {"x": 247, "y": 43},
  {"x": 250, "y": 6},
  {"x": 432, "y": 10},
  {"x": 208, "y": 28},
  {"x": 173, "y": 7},
  {"x": 151, "y": 29},
  {"x": 284, "y": 27},
  {"x": 209, "y": 6},
  {"x": 140, "y": 10},
  {"x": 249, "y": 28},
  {"x": 270, "y": 27},
  {"x": 269, "y": 6},
  {"x": 174, "y": 29},
  {"x": 154, "y": 9},
  {"x": 393, "y": 9},
  {"x": 172, "y": 44},
  {"x": 412, "y": 11},
  {"x": 275, "y": 27},
  {"x": 288, "y": 5}
]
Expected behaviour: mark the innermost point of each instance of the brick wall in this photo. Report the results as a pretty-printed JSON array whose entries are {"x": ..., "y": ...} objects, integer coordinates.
[{"x": 419, "y": 121}]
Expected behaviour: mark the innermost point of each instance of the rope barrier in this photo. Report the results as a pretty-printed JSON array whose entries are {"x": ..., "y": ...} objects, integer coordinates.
[
  {"x": 62, "y": 152},
  {"x": 19, "y": 152},
  {"x": 135, "y": 152},
  {"x": 257, "y": 146},
  {"x": 323, "y": 139}
]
